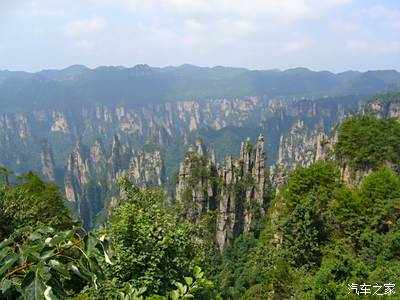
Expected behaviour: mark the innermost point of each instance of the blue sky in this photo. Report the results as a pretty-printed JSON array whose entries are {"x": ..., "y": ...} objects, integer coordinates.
[{"x": 334, "y": 35}]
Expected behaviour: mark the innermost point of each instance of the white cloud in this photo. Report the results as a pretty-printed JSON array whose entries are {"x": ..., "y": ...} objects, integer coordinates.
[
  {"x": 84, "y": 45},
  {"x": 257, "y": 33},
  {"x": 380, "y": 11},
  {"x": 242, "y": 27},
  {"x": 389, "y": 18},
  {"x": 357, "y": 45},
  {"x": 225, "y": 23},
  {"x": 85, "y": 26},
  {"x": 296, "y": 45},
  {"x": 284, "y": 10},
  {"x": 192, "y": 25},
  {"x": 374, "y": 47}
]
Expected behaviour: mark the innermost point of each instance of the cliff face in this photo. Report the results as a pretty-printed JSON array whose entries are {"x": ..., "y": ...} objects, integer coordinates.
[
  {"x": 98, "y": 156},
  {"x": 384, "y": 106},
  {"x": 308, "y": 138},
  {"x": 288, "y": 124},
  {"x": 161, "y": 124},
  {"x": 147, "y": 168},
  {"x": 92, "y": 174},
  {"x": 387, "y": 109},
  {"x": 197, "y": 182},
  {"x": 47, "y": 161},
  {"x": 300, "y": 146},
  {"x": 233, "y": 190},
  {"x": 303, "y": 145},
  {"x": 77, "y": 175}
]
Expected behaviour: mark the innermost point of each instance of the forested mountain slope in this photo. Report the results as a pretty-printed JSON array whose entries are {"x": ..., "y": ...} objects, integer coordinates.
[
  {"x": 329, "y": 232},
  {"x": 82, "y": 128},
  {"x": 334, "y": 225}
]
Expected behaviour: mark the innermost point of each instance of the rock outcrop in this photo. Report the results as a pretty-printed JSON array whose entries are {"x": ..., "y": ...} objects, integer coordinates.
[
  {"x": 170, "y": 126},
  {"x": 300, "y": 146},
  {"x": 92, "y": 174},
  {"x": 233, "y": 190},
  {"x": 147, "y": 168},
  {"x": 161, "y": 124},
  {"x": 47, "y": 160},
  {"x": 78, "y": 173},
  {"x": 195, "y": 189},
  {"x": 97, "y": 155},
  {"x": 383, "y": 109}
]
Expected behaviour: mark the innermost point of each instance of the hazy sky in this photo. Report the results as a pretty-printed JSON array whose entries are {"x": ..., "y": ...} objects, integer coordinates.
[{"x": 332, "y": 35}]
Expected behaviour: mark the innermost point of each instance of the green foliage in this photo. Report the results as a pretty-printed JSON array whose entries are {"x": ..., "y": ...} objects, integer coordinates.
[
  {"x": 233, "y": 277},
  {"x": 31, "y": 202},
  {"x": 191, "y": 288},
  {"x": 198, "y": 168},
  {"x": 366, "y": 142},
  {"x": 380, "y": 194},
  {"x": 5, "y": 175},
  {"x": 46, "y": 264},
  {"x": 152, "y": 249},
  {"x": 322, "y": 236},
  {"x": 303, "y": 181},
  {"x": 303, "y": 233}
]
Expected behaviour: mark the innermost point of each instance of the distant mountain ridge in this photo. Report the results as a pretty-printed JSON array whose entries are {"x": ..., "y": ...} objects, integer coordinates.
[{"x": 79, "y": 85}]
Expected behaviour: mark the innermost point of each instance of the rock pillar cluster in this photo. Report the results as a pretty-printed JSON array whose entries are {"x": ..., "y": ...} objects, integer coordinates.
[{"x": 233, "y": 190}]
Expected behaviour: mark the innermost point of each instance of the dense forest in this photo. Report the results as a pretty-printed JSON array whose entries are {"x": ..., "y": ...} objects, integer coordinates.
[{"x": 330, "y": 232}]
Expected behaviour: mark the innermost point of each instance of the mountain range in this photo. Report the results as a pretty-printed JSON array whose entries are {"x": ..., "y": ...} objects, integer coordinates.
[
  {"x": 78, "y": 85},
  {"x": 83, "y": 128}
]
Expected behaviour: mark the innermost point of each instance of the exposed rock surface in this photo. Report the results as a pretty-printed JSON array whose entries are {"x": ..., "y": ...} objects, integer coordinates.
[
  {"x": 47, "y": 159},
  {"x": 386, "y": 107},
  {"x": 92, "y": 173},
  {"x": 97, "y": 155},
  {"x": 234, "y": 190},
  {"x": 98, "y": 163},
  {"x": 302, "y": 146},
  {"x": 304, "y": 143},
  {"x": 59, "y": 122},
  {"x": 161, "y": 124},
  {"x": 147, "y": 168},
  {"x": 78, "y": 173},
  {"x": 389, "y": 109}
]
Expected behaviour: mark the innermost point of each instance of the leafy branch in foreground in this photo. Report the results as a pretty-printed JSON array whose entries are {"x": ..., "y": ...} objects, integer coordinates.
[
  {"x": 191, "y": 287},
  {"x": 188, "y": 290},
  {"x": 45, "y": 264}
]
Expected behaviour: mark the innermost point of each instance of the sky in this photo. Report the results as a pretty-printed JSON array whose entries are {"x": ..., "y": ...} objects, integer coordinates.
[{"x": 335, "y": 35}]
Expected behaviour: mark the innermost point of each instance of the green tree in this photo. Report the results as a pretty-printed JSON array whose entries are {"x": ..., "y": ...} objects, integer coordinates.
[
  {"x": 233, "y": 276},
  {"x": 380, "y": 194},
  {"x": 319, "y": 176},
  {"x": 152, "y": 249},
  {"x": 31, "y": 201},
  {"x": 366, "y": 142},
  {"x": 304, "y": 233}
]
